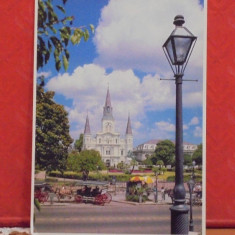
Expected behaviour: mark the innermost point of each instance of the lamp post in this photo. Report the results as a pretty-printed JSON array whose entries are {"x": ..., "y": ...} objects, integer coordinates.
[
  {"x": 191, "y": 184},
  {"x": 178, "y": 48},
  {"x": 156, "y": 190}
]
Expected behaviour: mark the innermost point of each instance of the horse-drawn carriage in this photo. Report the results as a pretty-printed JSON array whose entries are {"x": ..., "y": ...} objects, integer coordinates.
[
  {"x": 81, "y": 191},
  {"x": 93, "y": 191},
  {"x": 41, "y": 191}
]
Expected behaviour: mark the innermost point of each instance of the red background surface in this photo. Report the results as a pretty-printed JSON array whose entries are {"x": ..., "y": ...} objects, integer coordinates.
[
  {"x": 16, "y": 93},
  {"x": 221, "y": 114},
  {"x": 16, "y": 100}
]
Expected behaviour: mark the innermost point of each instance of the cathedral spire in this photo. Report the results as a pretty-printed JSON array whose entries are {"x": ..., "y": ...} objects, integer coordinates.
[
  {"x": 87, "y": 129},
  {"x": 108, "y": 99},
  {"x": 128, "y": 127},
  {"x": 108, "y": 110}
]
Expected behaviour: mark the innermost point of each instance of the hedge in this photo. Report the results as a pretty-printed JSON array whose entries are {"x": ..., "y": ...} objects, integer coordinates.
[
  {"x": 186, "y": 178},
  {"x": 92, "y": 176}
]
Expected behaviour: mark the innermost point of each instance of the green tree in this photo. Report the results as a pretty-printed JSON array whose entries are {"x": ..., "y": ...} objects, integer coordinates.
[
  {"x": 160, "y": 163},
  {"x": 187, "y": 160},
  {"x": 148, "y": 161},
  {"x": 164, "y": 151},
  {"x": 85, "y": 161},
  {"x": 78, "y": 143},
  {"x": 52, "y": 132},
  {"x": 197, "y": 155},
  {"x": 55, "y": 33},
  {"x": 156, "y": 170}
]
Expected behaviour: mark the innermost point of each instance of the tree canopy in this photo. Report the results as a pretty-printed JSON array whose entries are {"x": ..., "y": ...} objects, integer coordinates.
[
  {"x": 197, "y": 155},
  {"x": 187, "y": 160},
  {"x": 55, "y": 33},
  {"x": 164, "y": 151},
  {"x": 78, "y": 143},
  {"x": 85, "y": 161},
  {"x": 52, "y": 132}
]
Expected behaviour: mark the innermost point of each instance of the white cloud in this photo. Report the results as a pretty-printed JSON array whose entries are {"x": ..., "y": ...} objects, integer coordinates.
[
  {"x": 197, "y": 131},
  {"x": 130, "y": 33},
  {"x": 45, "y": 74},
  {"x": 165, "y": 126},
  {"x": 87, "y": 87},
  {"x": 194, "y": 121}
]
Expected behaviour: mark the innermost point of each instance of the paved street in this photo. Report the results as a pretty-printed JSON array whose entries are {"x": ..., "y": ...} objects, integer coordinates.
[{"x": 115, "y": 217}]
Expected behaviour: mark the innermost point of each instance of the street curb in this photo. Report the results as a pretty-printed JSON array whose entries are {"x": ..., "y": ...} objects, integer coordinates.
[{"x": 146, "y": 204}]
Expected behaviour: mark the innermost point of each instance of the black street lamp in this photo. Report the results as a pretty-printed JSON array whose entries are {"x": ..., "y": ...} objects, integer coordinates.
[
  {"x": 178, "y": 48},
  {"x": 191, "y": 184}
]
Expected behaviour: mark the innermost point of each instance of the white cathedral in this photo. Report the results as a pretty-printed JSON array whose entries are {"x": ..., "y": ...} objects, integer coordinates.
[{"x": 108, "y": 142}]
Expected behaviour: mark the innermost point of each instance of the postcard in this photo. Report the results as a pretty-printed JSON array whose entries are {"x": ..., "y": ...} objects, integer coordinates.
[{"x": 118, "y": 120}]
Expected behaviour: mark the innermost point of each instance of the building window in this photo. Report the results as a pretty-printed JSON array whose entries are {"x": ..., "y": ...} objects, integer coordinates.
[
  {"x": 116, "y": 141},
  {"x": 121, "y": 152},
  {"x": 107, "y": 163},
  {"x": 99, "y": 140},
  {"x": 107, "y": 152}
]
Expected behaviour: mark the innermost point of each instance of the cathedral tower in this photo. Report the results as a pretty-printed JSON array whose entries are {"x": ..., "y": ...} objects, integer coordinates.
[
  {"x": 107, "y": 119},
  {"x": 129, "y": 136},
  {"x": 87, "y": 134}
]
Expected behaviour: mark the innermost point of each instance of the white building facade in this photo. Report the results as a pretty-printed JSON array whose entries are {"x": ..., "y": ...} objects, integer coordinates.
[
  {"x": 108, "y": 142},
  {"x": 146, "y": 149}
]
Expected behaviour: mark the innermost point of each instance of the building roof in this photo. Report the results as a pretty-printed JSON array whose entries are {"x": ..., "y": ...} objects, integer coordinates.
[{"x": 154, "y": 141}]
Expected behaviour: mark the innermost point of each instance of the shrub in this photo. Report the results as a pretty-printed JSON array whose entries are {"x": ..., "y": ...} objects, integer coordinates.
[
  {"x": 186, "y": 178},
  {"x": 135, "y": 198}
]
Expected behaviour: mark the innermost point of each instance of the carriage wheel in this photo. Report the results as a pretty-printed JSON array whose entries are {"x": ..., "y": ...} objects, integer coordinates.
[
  {"x": 99, "y": 200},
  {"x": 78, "y": 199},
  {"x": 42, "y": 197},
  {"x": 107, "y": 197}
]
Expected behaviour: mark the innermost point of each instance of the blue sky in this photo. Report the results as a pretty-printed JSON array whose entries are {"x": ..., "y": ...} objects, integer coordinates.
[{"x": 126, "y": 53}]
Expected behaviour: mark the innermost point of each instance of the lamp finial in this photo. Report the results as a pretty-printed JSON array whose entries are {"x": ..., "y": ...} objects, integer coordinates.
[{"x": 179, "y": 20}]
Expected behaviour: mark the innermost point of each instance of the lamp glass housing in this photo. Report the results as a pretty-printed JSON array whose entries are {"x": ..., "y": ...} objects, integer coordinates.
[{"x": 178, "y": 45}]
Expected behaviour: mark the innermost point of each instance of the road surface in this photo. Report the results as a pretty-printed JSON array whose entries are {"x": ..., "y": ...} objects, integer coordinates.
[{"x": 115, "y": 217}]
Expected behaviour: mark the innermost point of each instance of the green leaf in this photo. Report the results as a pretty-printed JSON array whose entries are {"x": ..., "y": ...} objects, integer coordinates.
[
  {"x": 58, "y": 65},
  {"x": 86, "y": 35},
  {"x": 65, "y": 63},
  {"x": 47, "y": 56},
  {"x": 76, "y": 38},
  {"x": 49, "y": 46},
  {"x": 60, "y": 8},
  {"x": 69, "y": 18},
  {"x": 67, "y": 54},
  {"x": 52, "y": 29},
  {"x": 50, "y": 7},
  {"x": 92, "y": 28},
  {"x": 41, "y": 5},
  {"x": 56, "y": 42},
  {"x": 37, "y": 204}
]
